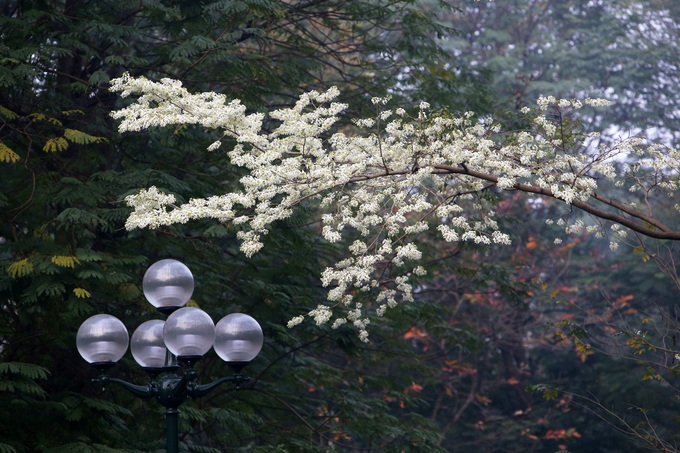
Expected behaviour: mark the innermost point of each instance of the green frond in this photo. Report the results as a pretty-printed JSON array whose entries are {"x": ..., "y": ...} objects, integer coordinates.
[
  {"x": 55, "y": 145},
  {"x": 114, "y": 59},
  {"x": 7, "y": 155},
  {"x": 81, "y": 138},
  {"x": 75, "y": 216},
  {"x": 7, "y": 113},
  {"x": 116, "y": 278},
  {"x": 193, "y": 414},
  {"x": 37, "y": 117},
  {"x": 20, "y": 268},
  {"x": 115, "y": 215},
  {"x": 216, "y": 231},
  {"x": 128, "y": 291},
  {"x": 65, "y": 261},
  {"x": 50, "y": 289},
  {"x": 86, "y": 255},
  {"x": 4, "y": 448},
  {"x": 90, "y": 273},
  {"x": 99, "y": 78},
  {"x": 105, "y": 406},
  {"x": 81, "y": 293},
  {"x": 26, "y": 370},
  {"x": 128, "y": 260},
  {"x": 7, "y": 79},
  {"x": 23, "y": 388}
]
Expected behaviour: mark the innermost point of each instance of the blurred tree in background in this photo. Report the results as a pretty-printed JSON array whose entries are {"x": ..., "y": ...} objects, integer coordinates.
[
  {"x": 617, "y": 310},
  {"x": 624, "y": 50}
]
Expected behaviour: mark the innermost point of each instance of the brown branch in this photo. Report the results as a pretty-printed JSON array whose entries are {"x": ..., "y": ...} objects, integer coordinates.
[{"x": 646, "y": 225}]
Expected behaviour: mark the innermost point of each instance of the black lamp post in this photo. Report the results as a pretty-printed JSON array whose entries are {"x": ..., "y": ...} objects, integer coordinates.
[{"x": 167, "y": 350}]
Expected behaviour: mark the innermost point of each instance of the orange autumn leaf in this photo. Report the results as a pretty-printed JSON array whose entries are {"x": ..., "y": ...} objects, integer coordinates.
[{"x": 414, "y": 332}]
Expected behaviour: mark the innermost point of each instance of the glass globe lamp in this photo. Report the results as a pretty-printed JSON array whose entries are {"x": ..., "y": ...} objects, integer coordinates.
[
  {"x": 168, "y": 284},
  {"x": 147, "y": 346},
  {"x": 189, "y": 333},
  {"x": 238, "y": 338},
  {"x": 102, "y": 339}
]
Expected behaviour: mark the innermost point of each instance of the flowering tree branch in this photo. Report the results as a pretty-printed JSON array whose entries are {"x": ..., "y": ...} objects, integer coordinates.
[
  {"x": 637, "y": 220},
  {"x": 382, "y": 181},
  {"x": 649, "y": 226}
]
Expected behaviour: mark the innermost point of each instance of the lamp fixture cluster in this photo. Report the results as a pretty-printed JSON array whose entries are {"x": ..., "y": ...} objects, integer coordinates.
[
  {"x": 160, "y": 347},
  {"x": 186, "y": 335}
]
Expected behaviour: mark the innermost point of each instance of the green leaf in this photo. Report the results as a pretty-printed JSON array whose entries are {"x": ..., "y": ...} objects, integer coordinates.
[
  {"x": 4, "y": 448},
  {"x": 27, "y": 370},
  {"x": 81, "y": 138},
  {"x": 7, "y": 113},
  {"x": 65, "y": 261},
  {"x": 216, "y": 231},
  {"x": 20, "y": 268},
  {"x": 81, "y": 293},
  {"x": 7, "y": 154},
  {"x": 99, "y": 78},
  {"x": 50, "y": 289},
  {"x": 55, "y": 145}
]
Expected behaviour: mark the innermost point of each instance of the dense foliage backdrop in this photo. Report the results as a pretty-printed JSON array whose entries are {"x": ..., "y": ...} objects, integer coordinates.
[{"x": 504, "y": 349}]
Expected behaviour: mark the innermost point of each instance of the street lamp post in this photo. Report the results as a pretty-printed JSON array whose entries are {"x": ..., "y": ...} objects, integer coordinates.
[{"x": 167, "y": 350}]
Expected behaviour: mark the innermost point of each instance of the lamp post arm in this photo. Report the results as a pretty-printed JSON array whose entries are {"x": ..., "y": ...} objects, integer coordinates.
[
  {"x": 143, "y": 391},
  {"x": 198, "y": 390}
]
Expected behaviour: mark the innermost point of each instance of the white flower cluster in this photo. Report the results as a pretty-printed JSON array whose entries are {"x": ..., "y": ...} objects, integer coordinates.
[{"x": 379, "y": 183}]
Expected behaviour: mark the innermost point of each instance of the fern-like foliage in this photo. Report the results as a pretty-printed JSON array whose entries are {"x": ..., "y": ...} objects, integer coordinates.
[
  {"x": 55, "y": 145},
  {"x": 65, "y": 261},
  {"x": 7, "y": 113},
  {"x": 19, "y": 379},
  {"x": 6, "y": 448},
  {"x": 24, "y": 370},
  {"x": 20, "y": 268},
  {"x": 81, "y": 138},
  {"x": 7, "y": 154}
]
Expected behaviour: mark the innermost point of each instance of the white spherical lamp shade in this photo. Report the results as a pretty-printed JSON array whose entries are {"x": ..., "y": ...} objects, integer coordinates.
[
  {"x": 102, "y": 339},
  {"x": 238, "y": 338},
  {"x": 168, "y": 283},
  {"x": 189, "y": 332},
  {"x": 147, "y": 346}
]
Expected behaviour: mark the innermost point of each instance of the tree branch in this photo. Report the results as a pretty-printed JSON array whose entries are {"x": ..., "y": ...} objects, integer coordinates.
[
  {"x": 648, "y": 226},
  {"x": 654, "y": 229}
]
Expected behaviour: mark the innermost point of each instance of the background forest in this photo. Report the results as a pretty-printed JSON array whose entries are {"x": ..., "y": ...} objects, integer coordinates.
[{"x": 537, "y": 347}]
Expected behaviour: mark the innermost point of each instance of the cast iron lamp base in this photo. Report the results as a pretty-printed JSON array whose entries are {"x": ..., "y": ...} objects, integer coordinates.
[{"x": 170, "y": 386}]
